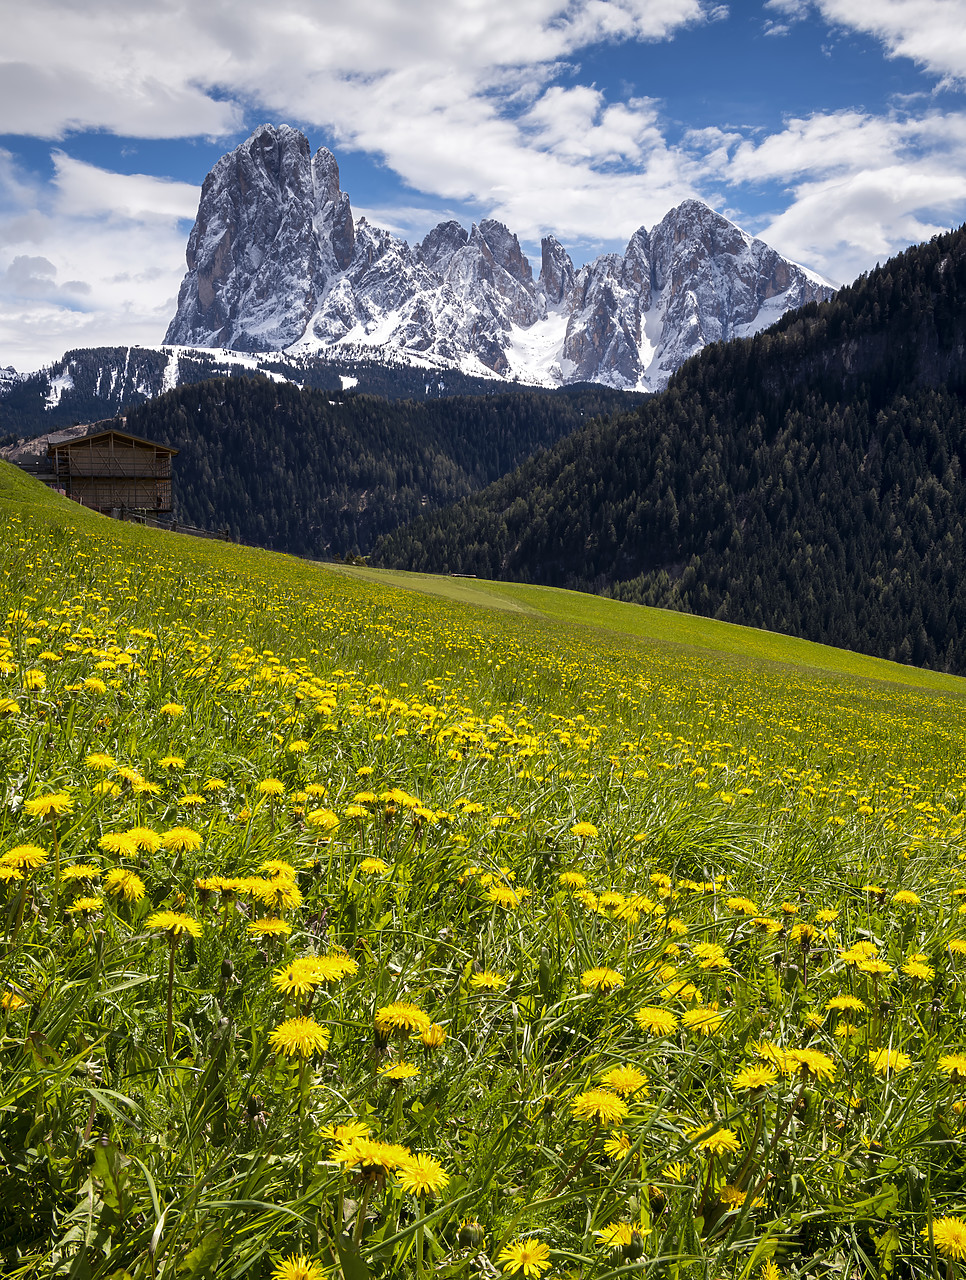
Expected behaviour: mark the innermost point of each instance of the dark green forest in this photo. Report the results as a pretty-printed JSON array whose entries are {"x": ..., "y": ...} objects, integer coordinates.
[
  {"x": 324, "y": 473},
  {"x": 808, "y": 480},
  {"x": 103, "y": 381}
]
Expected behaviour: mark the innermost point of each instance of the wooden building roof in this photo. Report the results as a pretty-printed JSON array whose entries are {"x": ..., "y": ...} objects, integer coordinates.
[{"x": 80, "y": 441}]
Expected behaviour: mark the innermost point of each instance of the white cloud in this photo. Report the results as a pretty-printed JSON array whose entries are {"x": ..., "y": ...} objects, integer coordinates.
[
  {"x": 459, "y": 98},
  {"x": 94, "y": 259},
  {"x": 930, "y": 32},
  {"x": 861, "y": 187},
  {"x": 842, "y": 226}
]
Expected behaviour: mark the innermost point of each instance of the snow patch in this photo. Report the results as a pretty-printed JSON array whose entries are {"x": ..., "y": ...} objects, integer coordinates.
[
  {"x": 348, "y": 382},
  {"x": 535, "y": 354},
  {"x": 57, "y": 388},
  {"x": 170, "y": 379}
]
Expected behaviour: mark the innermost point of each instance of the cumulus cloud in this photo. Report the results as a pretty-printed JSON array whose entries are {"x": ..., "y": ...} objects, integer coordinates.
[
  {"x": 930, "y": 32},
  {"x": 465, "y": 102},
  {"x": 95, "y": 258},
  {"x": 860, "y": 186}
]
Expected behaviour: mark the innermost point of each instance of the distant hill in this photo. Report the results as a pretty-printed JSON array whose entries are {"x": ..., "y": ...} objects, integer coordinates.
[
  {"x": 808, "y": 480},
  {"x": 91, "y": 383},
  {"x": 324, "y": 473}
]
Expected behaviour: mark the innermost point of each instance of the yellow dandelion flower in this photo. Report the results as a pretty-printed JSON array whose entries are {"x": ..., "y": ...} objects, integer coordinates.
[
  {"x": 601, "y": 979},
  {"x": 754, "y": 1078},
  {"x": 398, "y": 1071},
  {"x": 948, "y": 1236},
  {"x": 322, "y": 819},
  {"x": 278, "y": 867},
  {"x": 24, "y": 857},
  {"x": 583, "y": 830},
  {"x": 704, "y": 1019},
  {"x": 373, "y": 866},
  {"x": 340, "y": 1134},
  {"x": 82, "y": 906},
  {"x": 488, "y": 981},
  {"x": 600, "y": 1105},
  {"x": 572, "y": 880},
  {"x": 715, "y": 1141},
  {"x": 812, "y": 1063},
  {"x": 529, "y": 1258},
  {"x": 174, "y": 924},
  {"x": 743, "y": 905},
  {"x": 421, "y": 1175},
  {"x": 119, "y": 843},
  {"x": 120, "y": 883},
  {"x": 269, "y": 927},
  {"x": 656, "y": 1020},
  {"x": 505, "y": 897},
  {"x": 884, "y": 1061},
  {"x": 851, "y": 1004},
  {"x": 171, "y": 709},
  {"x": 299, "y": 1038},
  {"x": 79, "y": 871},
  {"x": 954, "y": 1064},
  {"x": 144, "y": 838},
  {"x": 369, "y": 1158},
  {"x": 53, "y": 805},
  {"x": 625, "y": 1080},
  {"x": 401, "y": 1017},
  {"x": 181, "y": 840},
  {"x": 271, "y": 787},
  {"x": 617, "y": 1145},
  {"x": 906, "y": 898},
  {"x": 298, "y": 1267}
]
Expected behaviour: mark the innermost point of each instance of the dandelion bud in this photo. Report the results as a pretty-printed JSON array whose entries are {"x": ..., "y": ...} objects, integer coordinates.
[
  {"x": 227, "y": 970},
  {"x": 471, "y": 1236},
  {"x": 634, "y": 1248}
]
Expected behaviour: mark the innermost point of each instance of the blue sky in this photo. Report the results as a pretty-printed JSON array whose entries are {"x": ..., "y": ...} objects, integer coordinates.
[{"x": 835, "y": 129}]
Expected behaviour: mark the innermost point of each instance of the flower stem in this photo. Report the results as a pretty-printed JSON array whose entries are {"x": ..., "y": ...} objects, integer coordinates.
[
  {"x": 361, "y": 1213},
  {"x": 169, "y": 1036}
]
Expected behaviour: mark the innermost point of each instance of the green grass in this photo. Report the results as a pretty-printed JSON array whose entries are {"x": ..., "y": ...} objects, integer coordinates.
[
  {"x": 660, "y": 625},
  {"x": 555, "y": 837}
]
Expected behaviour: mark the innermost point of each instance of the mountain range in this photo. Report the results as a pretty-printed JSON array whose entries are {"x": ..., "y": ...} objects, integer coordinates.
[
  {"x": 276, "y": 261},
  {"x": 807, "y": 480}
]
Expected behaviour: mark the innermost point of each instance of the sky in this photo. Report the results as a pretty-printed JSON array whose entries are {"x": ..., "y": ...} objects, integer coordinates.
[{"x": 833, "y": 129}]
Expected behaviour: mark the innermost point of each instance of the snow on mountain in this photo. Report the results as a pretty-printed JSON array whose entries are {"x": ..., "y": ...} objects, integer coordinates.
[{"x": 276, "y": 262}]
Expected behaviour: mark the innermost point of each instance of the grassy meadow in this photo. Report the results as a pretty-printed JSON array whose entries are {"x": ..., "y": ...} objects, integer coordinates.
[{"x": 360, "y": 926}]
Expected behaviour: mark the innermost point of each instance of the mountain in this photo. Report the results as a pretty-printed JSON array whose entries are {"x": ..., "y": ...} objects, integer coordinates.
[
  {"x": 808, "y": 480},
  {"x": 276, "y": 261},
  {"x": 319, "y": 473},
  {"x": 93, "y": 383}
]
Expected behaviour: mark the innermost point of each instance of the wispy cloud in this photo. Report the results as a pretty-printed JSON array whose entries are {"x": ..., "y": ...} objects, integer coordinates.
[{"x": 93, "y": 258}]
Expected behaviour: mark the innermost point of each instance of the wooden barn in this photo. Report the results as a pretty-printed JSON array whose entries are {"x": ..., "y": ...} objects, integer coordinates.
[{"x": 113, "y": 472}]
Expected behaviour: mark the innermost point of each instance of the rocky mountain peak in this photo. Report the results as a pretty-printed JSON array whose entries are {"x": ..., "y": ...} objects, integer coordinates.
[
  {"x": 505, "y": 249},
  {"x": 276, "y": 260},
  {"x": 325, "y": 174},
  {"x": 438, "y": 247},
  {"x": 556, "y": 271}
]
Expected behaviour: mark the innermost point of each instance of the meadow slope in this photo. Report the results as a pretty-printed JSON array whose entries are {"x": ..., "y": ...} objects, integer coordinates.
[{"x": 363, "y": 931}]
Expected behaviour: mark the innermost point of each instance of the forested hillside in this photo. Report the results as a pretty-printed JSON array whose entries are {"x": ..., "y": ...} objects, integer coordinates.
[
  {"x": 324, "y": 473},
  {"x": 808, "y": 480},
  {"x": 92, "y": 383}
]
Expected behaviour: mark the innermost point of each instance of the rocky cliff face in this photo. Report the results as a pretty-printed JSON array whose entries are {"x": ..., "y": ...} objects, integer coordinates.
[{"x": 276, "y": 261}]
